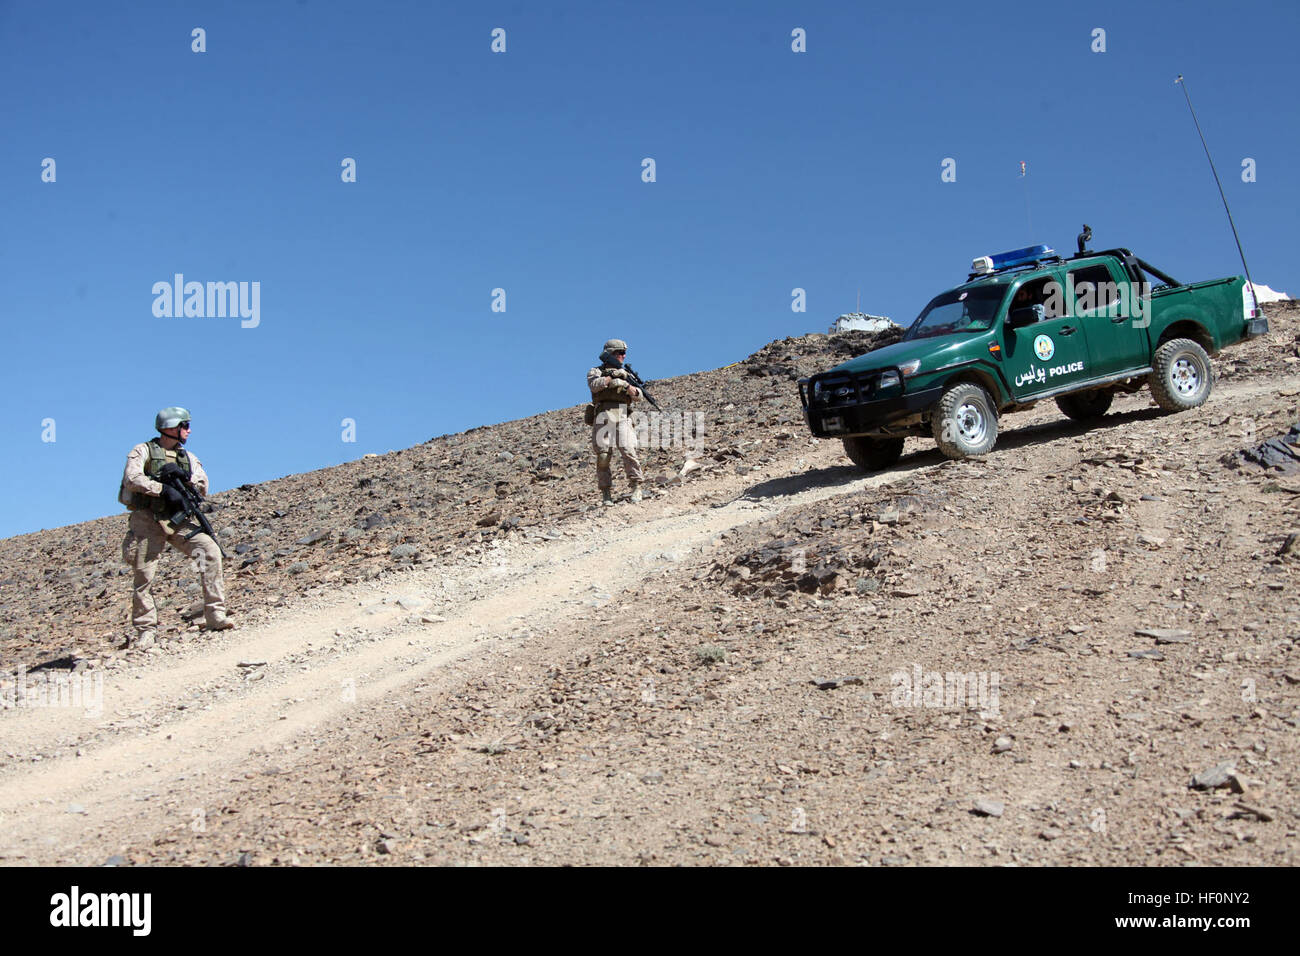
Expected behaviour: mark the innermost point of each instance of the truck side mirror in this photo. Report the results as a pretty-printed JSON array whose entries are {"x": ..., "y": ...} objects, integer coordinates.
[{"x": 1019, "y": 318}]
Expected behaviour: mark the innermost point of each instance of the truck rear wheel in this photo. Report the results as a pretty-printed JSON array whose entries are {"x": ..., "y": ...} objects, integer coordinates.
[
  {"x": 873, "y": 454},
  {"x": 1181, "y": 376},
  {"x": 1082, "y": 406},
  {"x": 965, "y": 422}
]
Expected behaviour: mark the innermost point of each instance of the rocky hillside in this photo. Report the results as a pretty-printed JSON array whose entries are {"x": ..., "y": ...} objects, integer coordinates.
[{"x": 66, "y": 595}]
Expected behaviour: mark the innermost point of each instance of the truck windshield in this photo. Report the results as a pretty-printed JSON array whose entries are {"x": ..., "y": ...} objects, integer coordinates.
[{"x": 961, "y": 310}]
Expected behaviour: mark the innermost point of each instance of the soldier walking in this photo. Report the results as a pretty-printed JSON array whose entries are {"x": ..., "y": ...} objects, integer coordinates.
[
  {"x": 153, "y": 505},
  {"x": 612, "y": 395}
]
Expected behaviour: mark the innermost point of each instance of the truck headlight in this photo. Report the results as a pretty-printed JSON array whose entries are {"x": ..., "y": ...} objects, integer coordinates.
[{"x": 889, "y": 377}]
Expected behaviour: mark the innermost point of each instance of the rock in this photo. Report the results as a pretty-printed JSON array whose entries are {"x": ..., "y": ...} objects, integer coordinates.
[
  {"x": 1150, "y": 540},
  {"x": 115, "y": 860},
  {"x": 318, "y": 535},
  {"x": 1151, "y": 655},
  {"x": 1280, "y": 454},
  {"x": 408, "y": 602},
  {"x": 654, "y": 776},
  {"x": 298, "y": 567},
  {"x": 1217, "y": 776},
  {"x": 1237, "y": 784},
  {"x": 245, "y": 859},
  {"x": 488, "y": 520},
  {"x": 404, "y": 551},
  {"x": 1002, "y": 745},
  {"x": 1051, "y": 833},
  {"x": 385, "y": 847},
  {"x": 1165, "y": 635},
  {"x": 76, "y": 808},
  {"x": 432, "y": 618},
  {"x": 251, "y": 664},
  {"x": 834, "y": 682},
  {"x": 145, "y": 642},
  {"x": 987, "y": 808}
]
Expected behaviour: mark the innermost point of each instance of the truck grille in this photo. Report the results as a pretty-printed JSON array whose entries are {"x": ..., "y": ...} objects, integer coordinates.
[{"x": 846, "y": 389}]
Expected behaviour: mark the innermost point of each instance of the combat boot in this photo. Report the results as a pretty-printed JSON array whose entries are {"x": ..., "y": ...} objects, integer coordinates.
[
  {"x": 218, "y": 622},
  {"x": 606, "y": 497},
  {"x": 636, "y": 493}
]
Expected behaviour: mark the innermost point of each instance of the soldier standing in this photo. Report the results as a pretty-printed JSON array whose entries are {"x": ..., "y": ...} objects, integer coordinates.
[
  {"x": 612, "y": 395},
  {"x": 152, "y": 505}
]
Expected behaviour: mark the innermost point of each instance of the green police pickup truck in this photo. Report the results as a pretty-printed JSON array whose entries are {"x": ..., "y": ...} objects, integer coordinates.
[{"x": 1029, "y": 325}]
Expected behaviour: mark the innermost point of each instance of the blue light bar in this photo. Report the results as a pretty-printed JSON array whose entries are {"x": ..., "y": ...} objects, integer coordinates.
[{"x": 1009, "y": 260}]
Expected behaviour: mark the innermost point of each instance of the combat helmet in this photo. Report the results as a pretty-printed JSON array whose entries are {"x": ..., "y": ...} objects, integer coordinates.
[
  {"x": 612, "y": 346},
  {"x": 170, "y": 417}
]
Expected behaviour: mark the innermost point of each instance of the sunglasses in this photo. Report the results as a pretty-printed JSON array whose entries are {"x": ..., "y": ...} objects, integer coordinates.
[{"x": 183, "y": 425}]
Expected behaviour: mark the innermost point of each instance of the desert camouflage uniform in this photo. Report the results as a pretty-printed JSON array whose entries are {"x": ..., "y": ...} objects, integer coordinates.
[
  {"x": 147, "y": 535},
  {"x": 612, "y": 394}
]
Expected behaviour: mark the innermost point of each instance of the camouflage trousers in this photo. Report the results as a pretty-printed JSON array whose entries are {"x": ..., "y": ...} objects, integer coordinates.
[
  {"x": 143, "y": 546},
  {"x": 613, "y": 431}
]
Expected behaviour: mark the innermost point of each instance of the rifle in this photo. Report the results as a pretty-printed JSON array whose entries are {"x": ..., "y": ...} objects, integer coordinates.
[
  {"x": 190, "y": 509},
  {"x": 635, "y": 379}
]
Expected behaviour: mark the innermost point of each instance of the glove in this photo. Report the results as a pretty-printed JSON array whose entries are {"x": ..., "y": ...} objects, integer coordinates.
[
  {"x": 174, "y": 499},
  {"x": 618, "y": 373},
  {"x": 172, "y": 471}
]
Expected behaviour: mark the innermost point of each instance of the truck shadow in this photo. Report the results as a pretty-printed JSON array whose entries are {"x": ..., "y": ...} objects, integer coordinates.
[
  {"x": 1068, "y": 428},
  {"x": 1017, "y": 438}
]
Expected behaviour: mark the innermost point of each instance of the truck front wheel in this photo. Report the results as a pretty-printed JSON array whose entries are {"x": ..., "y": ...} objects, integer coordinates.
[
  {"x": 965, "y": 421},
  {"x": 1082, "y": 406},
  {"x": 1181, "y": 377},
  {"x": 873, "y": 454}
]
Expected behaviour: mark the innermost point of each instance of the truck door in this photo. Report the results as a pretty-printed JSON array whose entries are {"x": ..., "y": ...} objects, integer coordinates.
[
  {"x": 1044, "y": 347},
  {"x": 1114, "y": 327}
]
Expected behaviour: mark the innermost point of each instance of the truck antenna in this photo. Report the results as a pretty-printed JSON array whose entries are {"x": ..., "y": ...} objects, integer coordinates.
[{"x": 1183, "y": 83}]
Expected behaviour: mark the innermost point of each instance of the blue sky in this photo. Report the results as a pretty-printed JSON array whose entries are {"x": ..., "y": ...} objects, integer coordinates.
[{"x": 522, "y": 171}]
